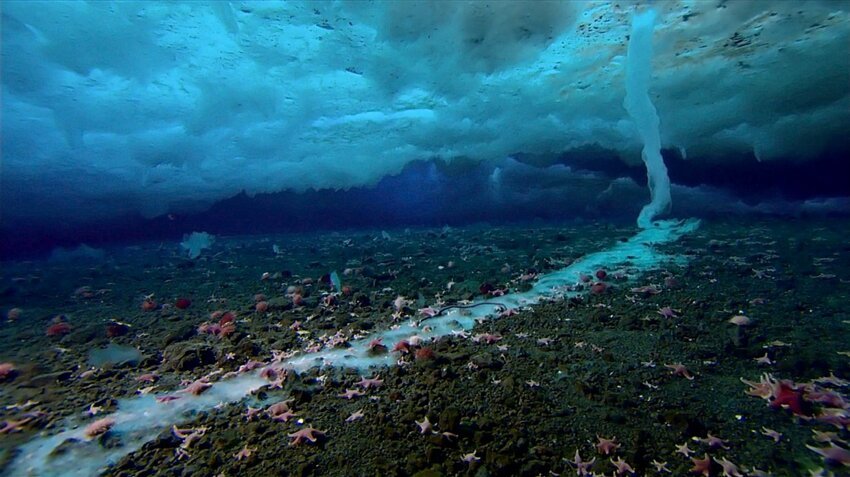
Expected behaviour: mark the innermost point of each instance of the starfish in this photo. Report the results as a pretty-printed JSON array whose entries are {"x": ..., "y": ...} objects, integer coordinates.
[
  {"x": 424, "y": 426},
  {"x": 13, "y": 426},
  {"x": 679, "y": 369},
  {"x": 428, "y": 312},
  {"x": 833, "y": 454},
  {"x": 821, "y": 436},
  {"x": 284, "y": 416},
  {"x": 701, "y": 466},
  {"x": 763, "y": 359},
  {"x": 508, "y": 312},
  {"x": 147, "y": 378},
  {"x": 684, "y": 450},
  {"x": 713, "y": 441},
  {"x": 252, "y": 412},
  {"x": 197, "y": 387},
  {"x": 771, "y": 433},
  {"x": 244, "y": 453},
  {"x": 188, "y": 436},
  {"x": 544, "y": 341},
  {"x": 582, "y": 467},
  {"x": 622, "y": 466},
  {"x": 351, "y": 394},
  {"x": 367, "y": 383},
  {"x": 488, "y": 338},
  {"x": 660, "y": 466},
  {"x": 729, "y": 469},
  {"x": 355, "y": 416},
  {"x": 308, "y": 433},
  {"x": 667, "y": 312},
  {"x": 93, "y": 410},
  {"x": 25, "y": 405},
  {"x": 470, "y": 458},
  {"x": 606, "y": 446}
]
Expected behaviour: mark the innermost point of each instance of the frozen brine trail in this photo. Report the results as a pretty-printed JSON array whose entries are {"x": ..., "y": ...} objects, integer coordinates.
[{"x": 140, "y": 419}]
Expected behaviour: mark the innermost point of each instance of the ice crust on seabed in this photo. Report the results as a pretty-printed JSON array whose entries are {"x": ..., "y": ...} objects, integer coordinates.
[
  {"x": 141, "y": 419},
  {"x": 201, "y": 100}
]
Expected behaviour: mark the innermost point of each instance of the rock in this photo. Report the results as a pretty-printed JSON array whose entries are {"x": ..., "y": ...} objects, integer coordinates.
[
  {"x": 428, "y": 473},
  {"x": 187, "y": 356},
  {"x": 182, "y": 333},
  {"x": 449, "y": 420},
  {"x": 46, "y": 379}
]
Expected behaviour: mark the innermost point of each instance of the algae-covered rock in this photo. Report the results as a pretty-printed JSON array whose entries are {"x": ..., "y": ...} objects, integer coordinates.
[{"x": 188, "y": 356}]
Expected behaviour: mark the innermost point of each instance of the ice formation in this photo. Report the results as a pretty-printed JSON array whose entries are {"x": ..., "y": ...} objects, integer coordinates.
[
  {"x": 196, "y": 242},
  {"x": 201, "y": 100},
  {"x": 140, "y": 419},
  {"x": 642, "y": 111}
]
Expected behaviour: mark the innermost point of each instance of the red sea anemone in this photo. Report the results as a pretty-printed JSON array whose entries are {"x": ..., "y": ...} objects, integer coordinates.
[
  {"x": 14, "y": 314},
  {"x": 227, "y": 317},
  {"x": 149, "y": 305},
  {"x": 58, "y": 329},
  {"x": 7, "y": 371},
  {"x": 425, "y": 354},
  {"x": 486, "y": 288},
  {"x": 183, "y": 303},
  {"x": 114, "y": 329},
  {"x": 599, "y": 288},
  {"x": 376, "y": 346}
]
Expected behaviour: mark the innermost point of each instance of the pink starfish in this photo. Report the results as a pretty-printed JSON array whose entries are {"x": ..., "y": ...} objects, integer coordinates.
[
  {"x": 13, "y": 426},
  {"x": 470, "y": 458},
  {"x": 775, "y": 435},
  {"x": 425, "y": 426},
  {"x": 701, "y": 466},
  {"x": 367, "y": 383},
  {"x": 98, "y": 427},
  {"x": 355, "y": 416},
  {"x": 351, "y": 394},
  {"x": 196, "y": 388},
  {"x": 428, "y": 312},
  {"x": 679, "y": 369},
  {"x": 606, "y": 446},
  {"x": 582, "y": 467},
  {"x": 729, "y": 469},
  {"x": 622, "y": 466},
  {"x": 284, "y": 416},
  {"x": 714, "y": 442},
  {"x": 668, "y": 312},
  {"x": 508, "y": 312},
  {"x": 833, "y": 454},
  {"x": 147, "y": 378},
  {"x": 684, "y": 450},
  {"x": 486, "y": 337},
  {"x": 244, "y": 453},
  {"x": 251, "y": 413},
  {"x": 308, "y": 433}
]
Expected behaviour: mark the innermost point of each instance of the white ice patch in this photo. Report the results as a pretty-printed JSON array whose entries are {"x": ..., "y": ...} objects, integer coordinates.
[{"x": 139, "y": 420}]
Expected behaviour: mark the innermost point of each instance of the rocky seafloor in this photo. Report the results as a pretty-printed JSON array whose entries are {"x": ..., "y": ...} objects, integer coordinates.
[{"x": 576, "y": 386}]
